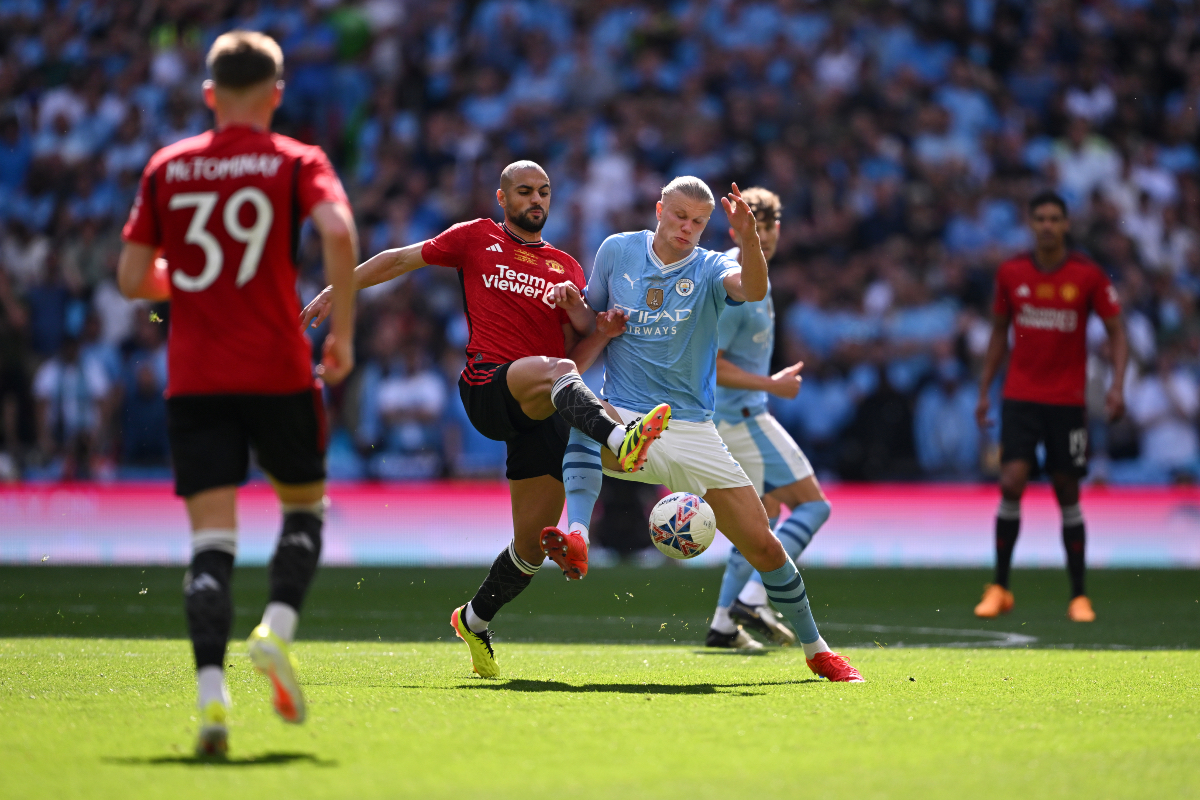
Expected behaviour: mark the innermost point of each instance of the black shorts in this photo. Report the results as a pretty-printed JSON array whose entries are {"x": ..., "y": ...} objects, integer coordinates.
[
  {"x": 535, "y": 446},
  {"x": 1062, "y": 429},
  {"x": 211, "y": 436}
]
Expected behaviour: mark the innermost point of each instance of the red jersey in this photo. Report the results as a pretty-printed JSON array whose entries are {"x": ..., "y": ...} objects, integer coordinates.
[
  {"x": 506, "y": 284},
  {"x": 1049, "y": 313},
  {"x": 225, "y": 208}
]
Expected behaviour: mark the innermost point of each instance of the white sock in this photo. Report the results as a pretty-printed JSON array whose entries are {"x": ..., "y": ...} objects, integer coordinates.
[
  {"x": 581, "y": 529},
  {"x": 722, "y": 621},
  {"x": 281, "y": 619},
  {"x": 818, "y": 646},
  {"x": 753, "y": 594},
  {"x": 474, "y": 621},
  {"x": 615, "y": 439},
  {"x": 210, "y": 683}
]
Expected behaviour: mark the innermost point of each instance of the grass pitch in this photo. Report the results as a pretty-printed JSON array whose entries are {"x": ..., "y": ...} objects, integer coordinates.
[{"x": 98, "y": 699}]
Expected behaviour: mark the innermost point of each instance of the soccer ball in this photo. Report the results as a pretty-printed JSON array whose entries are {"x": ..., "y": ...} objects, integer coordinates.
[{"x": 682, "y": 525}]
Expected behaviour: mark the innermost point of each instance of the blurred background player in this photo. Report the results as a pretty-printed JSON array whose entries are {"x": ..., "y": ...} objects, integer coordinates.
[
  {"x": 225, "y": 210},
  {"x": 524, "y": 357},
  {"x": 1047, "y": 296},
  {"x": 767, "y": 453},
  {"x": 673, "y": 294}
]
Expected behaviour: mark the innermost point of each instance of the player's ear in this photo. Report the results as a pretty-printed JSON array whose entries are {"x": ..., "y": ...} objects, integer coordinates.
[
  {"x": 500, "y": 197},
  {"x": 210, "y": 94},
  {"x": 658, "y": 210},
  {"x": 277, "y": 95}
]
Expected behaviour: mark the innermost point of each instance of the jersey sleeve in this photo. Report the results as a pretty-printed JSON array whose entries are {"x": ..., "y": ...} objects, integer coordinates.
[
  {"x": 728, "y": 326},
  {"x": 1001, "y": 304},
  {"x": 448, "y": 247},
  {"x": 722, "y": 269},
  {"x": 1105, "y": 301},
  {"x": 318, "y": 182},
  {"x": 142, "y": 225},
  {"x": 602, "y": 270}
]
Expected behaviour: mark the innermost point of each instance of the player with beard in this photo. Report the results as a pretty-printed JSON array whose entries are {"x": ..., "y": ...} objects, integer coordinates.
[
  {"x": 522, "y": 383},
  {"x": 1046, "y": 296}
]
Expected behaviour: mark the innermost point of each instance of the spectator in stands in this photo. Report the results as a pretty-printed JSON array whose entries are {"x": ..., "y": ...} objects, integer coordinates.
[{"x": 72, "y": 409}]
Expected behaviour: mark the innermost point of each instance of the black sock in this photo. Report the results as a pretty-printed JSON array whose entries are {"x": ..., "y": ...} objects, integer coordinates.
[
  {"x": 507, "y": 578},
  {"x": 208, "y": 600},
  {"x": 295, "y": 561},
  {"x": 581, "y": 409},
  {"x": 1074, "y": 541},
  {"x": 1008, "y": 525}
]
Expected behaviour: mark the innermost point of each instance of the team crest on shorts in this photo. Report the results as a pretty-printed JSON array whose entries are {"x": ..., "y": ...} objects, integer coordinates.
[
  {"x": 654, "y": 298},
  {"x": 684, "y": 287}
]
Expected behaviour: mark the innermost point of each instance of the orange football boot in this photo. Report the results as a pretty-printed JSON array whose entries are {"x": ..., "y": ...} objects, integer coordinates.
[
  {"x": 568, "y": 550},
  {"x": 996, "y": 601},
  {"x": 1080, "y": 610},
  {"x": 835, "y": 667}
]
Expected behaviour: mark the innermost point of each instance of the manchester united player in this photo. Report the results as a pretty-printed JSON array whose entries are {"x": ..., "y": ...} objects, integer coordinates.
[
  {"x": 1046, "y": 297},
  {"x": 224, "y": 209},
  {"x": 524, "y": 357}
]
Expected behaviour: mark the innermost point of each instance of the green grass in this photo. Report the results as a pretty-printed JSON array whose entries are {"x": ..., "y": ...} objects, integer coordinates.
[{"x": 96, "y": 691}]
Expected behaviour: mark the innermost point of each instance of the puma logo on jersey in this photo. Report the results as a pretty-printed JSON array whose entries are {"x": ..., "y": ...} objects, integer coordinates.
[
  {"x": 496, "y": 248},
  {"x": 631, "y": 284}
]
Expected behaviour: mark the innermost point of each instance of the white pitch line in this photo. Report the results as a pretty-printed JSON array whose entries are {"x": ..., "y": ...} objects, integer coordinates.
[{"x": 991, "y": 638}]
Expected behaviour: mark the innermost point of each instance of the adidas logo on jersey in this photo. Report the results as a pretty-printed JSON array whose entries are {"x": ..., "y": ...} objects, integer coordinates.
[{"x": 496, "y": 248}]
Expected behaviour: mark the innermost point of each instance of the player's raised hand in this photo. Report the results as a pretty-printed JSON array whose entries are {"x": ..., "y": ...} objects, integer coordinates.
[
  {"x": 315, "y": 312},
  {"x": 336, "y": 361},
  {"x": 786, "y": 382},
  {"x": 981, "y": 411},
  {"x": 611, "y": 323},
  {"x": 741, "y": 218},
  {"x": 566, "y": 296}
]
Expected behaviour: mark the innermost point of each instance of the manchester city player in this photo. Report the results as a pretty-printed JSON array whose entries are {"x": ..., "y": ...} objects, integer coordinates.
[
  {"x": 673, "y": 294},
  {"x": 770, "y": 457}
]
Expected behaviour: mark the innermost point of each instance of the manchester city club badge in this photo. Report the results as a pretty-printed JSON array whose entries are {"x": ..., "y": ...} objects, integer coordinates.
[
  {"x": 684, "y": 287},
  {"x": 654, "y": 299}
]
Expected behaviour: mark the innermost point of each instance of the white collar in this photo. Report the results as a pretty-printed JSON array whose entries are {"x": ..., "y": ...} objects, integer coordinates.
[{"x": 665, "y": 268}]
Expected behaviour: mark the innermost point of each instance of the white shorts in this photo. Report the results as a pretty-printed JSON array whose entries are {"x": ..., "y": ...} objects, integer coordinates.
[
  {"x": 688, "y": 457},
  {"x": 769, "y": 456}
]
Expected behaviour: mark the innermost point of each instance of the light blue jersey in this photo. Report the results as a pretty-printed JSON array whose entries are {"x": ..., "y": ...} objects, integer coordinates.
[
  {"x": 668, "y": 352},
  {"x": 746, "y": 334}
]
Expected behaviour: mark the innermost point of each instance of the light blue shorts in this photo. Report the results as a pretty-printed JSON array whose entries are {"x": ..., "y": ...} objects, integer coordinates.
[{"x": 766, "y": 452}]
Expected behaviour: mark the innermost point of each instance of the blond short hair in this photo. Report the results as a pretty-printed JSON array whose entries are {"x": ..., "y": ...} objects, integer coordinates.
[
  {"x": 690, "y": 187},
  {"x": 242, "y": 59}
]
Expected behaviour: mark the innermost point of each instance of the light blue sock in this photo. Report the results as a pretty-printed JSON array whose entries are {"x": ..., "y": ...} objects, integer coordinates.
[
  {"x": 786, "y": 590},
  {"x": 737, "y": 572},
  {"x": 581, "y": 479},
  {"x": 801, "y": 525}
]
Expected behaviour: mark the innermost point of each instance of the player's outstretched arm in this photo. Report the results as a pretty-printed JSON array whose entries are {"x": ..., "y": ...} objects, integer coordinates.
[
  {"x": 140, "y": 276},
  {"x": 750, "y": 285},
  {"x": 339, "y": 244},
  {"x": 377, "y": 269},
  {"x": 566, "y": 295},
  {"x": 1114, "y": 403},
  {"x": 584, "y": 351},
  {"x": 996, "y": 351},
  {"x": 785, "y": 383}
]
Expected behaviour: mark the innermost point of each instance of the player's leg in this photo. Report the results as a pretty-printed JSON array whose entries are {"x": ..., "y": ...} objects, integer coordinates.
[
  {"x": 208, "y": 601},
  {"x": 543, "y": 385},
  {"x": 210, "y": 454},
  {"x": 1021, "y": 429},
  {"x": 741, "y": 517},
  {"x": 724, "y": 631},
  {"x": 1066, "y": 461},
  {"x": 536, "y": 504},
  {"x": 288, "y": 435}
]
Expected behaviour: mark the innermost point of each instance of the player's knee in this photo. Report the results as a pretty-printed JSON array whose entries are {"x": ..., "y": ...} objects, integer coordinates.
[
  {"x": 765, "y": 555},
  {"x": 560, "y": 367}
]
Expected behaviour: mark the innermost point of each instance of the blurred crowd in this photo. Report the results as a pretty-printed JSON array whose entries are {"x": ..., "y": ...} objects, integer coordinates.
[{"x": 903, "y": 137}]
